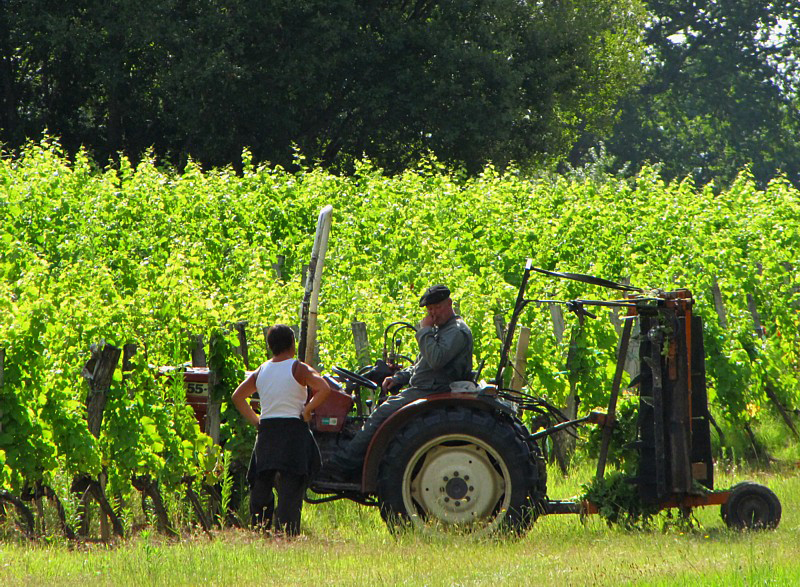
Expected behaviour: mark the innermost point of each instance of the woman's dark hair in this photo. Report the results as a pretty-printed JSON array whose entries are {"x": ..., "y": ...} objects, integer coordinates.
[{"x": 280, "y": 338}]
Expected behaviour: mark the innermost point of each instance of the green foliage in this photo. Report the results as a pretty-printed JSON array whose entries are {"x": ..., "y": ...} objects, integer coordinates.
[
  {"x": 617, "y": 501},
  {"x": 148, "y": 430},
  {"x": 5, "y": 470},
  {"x": 621, "y": 455},
  {"x": 226, "y": 493},
  {"x": 236, "y": 434},
  {"x": 616, "y": 496},
  {"x": 143, "y": 255}
]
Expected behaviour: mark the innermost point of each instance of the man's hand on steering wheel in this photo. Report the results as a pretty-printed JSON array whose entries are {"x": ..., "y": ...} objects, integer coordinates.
[{"x": 388, "y": 384}]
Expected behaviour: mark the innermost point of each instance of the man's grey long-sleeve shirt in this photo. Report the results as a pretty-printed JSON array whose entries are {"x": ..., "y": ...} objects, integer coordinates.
[{"x": 445, "y": 355}]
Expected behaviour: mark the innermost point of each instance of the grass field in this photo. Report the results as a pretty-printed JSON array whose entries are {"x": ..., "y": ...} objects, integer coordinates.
[{"x": 346, "y": 544}]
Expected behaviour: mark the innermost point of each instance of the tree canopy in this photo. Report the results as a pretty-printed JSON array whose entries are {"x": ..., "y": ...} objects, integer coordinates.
[
  {"x": 470, "y": 80},
  {"x": 721, "y": 91}
]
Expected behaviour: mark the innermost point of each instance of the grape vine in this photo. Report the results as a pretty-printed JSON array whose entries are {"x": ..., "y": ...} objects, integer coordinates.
[{"x": 142, "y": 255}]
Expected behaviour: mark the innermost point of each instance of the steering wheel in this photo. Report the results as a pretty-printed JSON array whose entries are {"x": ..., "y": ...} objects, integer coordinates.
[{"x": 354, "y": 377}]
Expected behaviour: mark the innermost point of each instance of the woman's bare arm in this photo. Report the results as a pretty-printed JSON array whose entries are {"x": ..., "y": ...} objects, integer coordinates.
[{"x": 239, "y": 398}]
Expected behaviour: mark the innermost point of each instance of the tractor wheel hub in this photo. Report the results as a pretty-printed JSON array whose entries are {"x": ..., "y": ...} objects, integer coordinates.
[
  {"x": 456, "y": 488},
  {"x": 456, "y": 483}
]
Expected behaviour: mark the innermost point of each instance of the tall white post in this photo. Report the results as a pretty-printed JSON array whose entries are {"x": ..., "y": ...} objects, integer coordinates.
[{"x": 308, "y": 329}]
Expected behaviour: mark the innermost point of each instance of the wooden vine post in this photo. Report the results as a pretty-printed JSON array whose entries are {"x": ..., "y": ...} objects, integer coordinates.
[
  {"x": 557, "y": 317},
  {"x": 98, "y": 373},
  {"x": 198, "y": 360},
  {"x": 277, "y": 267},
  {"x": 560, "y": 438},
  {"x": 213, "y": 413},
  {"x": 520, "y": 359},
  {"x": 198, "y": 351},
  {"x": 632, "y": 355},
  {"x": 719, "y": 305},
  {"x": 500, "y": 326},
  {"x": 361, "y": 342},
  {"x": 564, "y": 442},
  {"x": 242, "y": 349}
]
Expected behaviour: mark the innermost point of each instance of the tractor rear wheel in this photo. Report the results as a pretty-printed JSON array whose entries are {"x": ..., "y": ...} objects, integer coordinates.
[{"x": 459, "y": 468}]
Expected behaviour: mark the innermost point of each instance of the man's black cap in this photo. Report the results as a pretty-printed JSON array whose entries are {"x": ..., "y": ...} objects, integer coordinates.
[{"x": 434, "y": 294}]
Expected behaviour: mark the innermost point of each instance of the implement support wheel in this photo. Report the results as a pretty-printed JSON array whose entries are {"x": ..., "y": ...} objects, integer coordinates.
[{"x": 751, "y": 507}]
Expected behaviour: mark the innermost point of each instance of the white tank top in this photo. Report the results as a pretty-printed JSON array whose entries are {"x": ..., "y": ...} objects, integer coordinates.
[{"x": 280, "y": 395}]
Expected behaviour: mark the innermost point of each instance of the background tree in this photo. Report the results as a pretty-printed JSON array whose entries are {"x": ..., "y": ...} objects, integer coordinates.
[
  {"x": 721, "y": 92},
  {"x": 469, "y": 80},
  {"x": 83, "y": 70}
]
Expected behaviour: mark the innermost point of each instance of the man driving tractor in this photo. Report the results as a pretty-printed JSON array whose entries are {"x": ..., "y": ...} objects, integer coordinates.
[{"x": 445, "y": 356}]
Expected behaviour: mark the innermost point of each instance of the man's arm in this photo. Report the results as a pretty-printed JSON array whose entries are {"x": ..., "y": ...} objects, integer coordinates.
[
  {"x": 399, "y": 379},
  {"x": 239, "y": 398},
  {"x": 440, "y": 349}
]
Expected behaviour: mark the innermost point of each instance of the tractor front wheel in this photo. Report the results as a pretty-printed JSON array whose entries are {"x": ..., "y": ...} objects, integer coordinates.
[{"x": 458, "y": 468}]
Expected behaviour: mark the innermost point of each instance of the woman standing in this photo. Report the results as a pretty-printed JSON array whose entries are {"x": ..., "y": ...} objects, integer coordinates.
[{"x": 285, "y": 455}]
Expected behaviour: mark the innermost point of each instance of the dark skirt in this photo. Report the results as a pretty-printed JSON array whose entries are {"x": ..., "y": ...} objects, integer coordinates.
[{"x": 284, "y": 444}]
